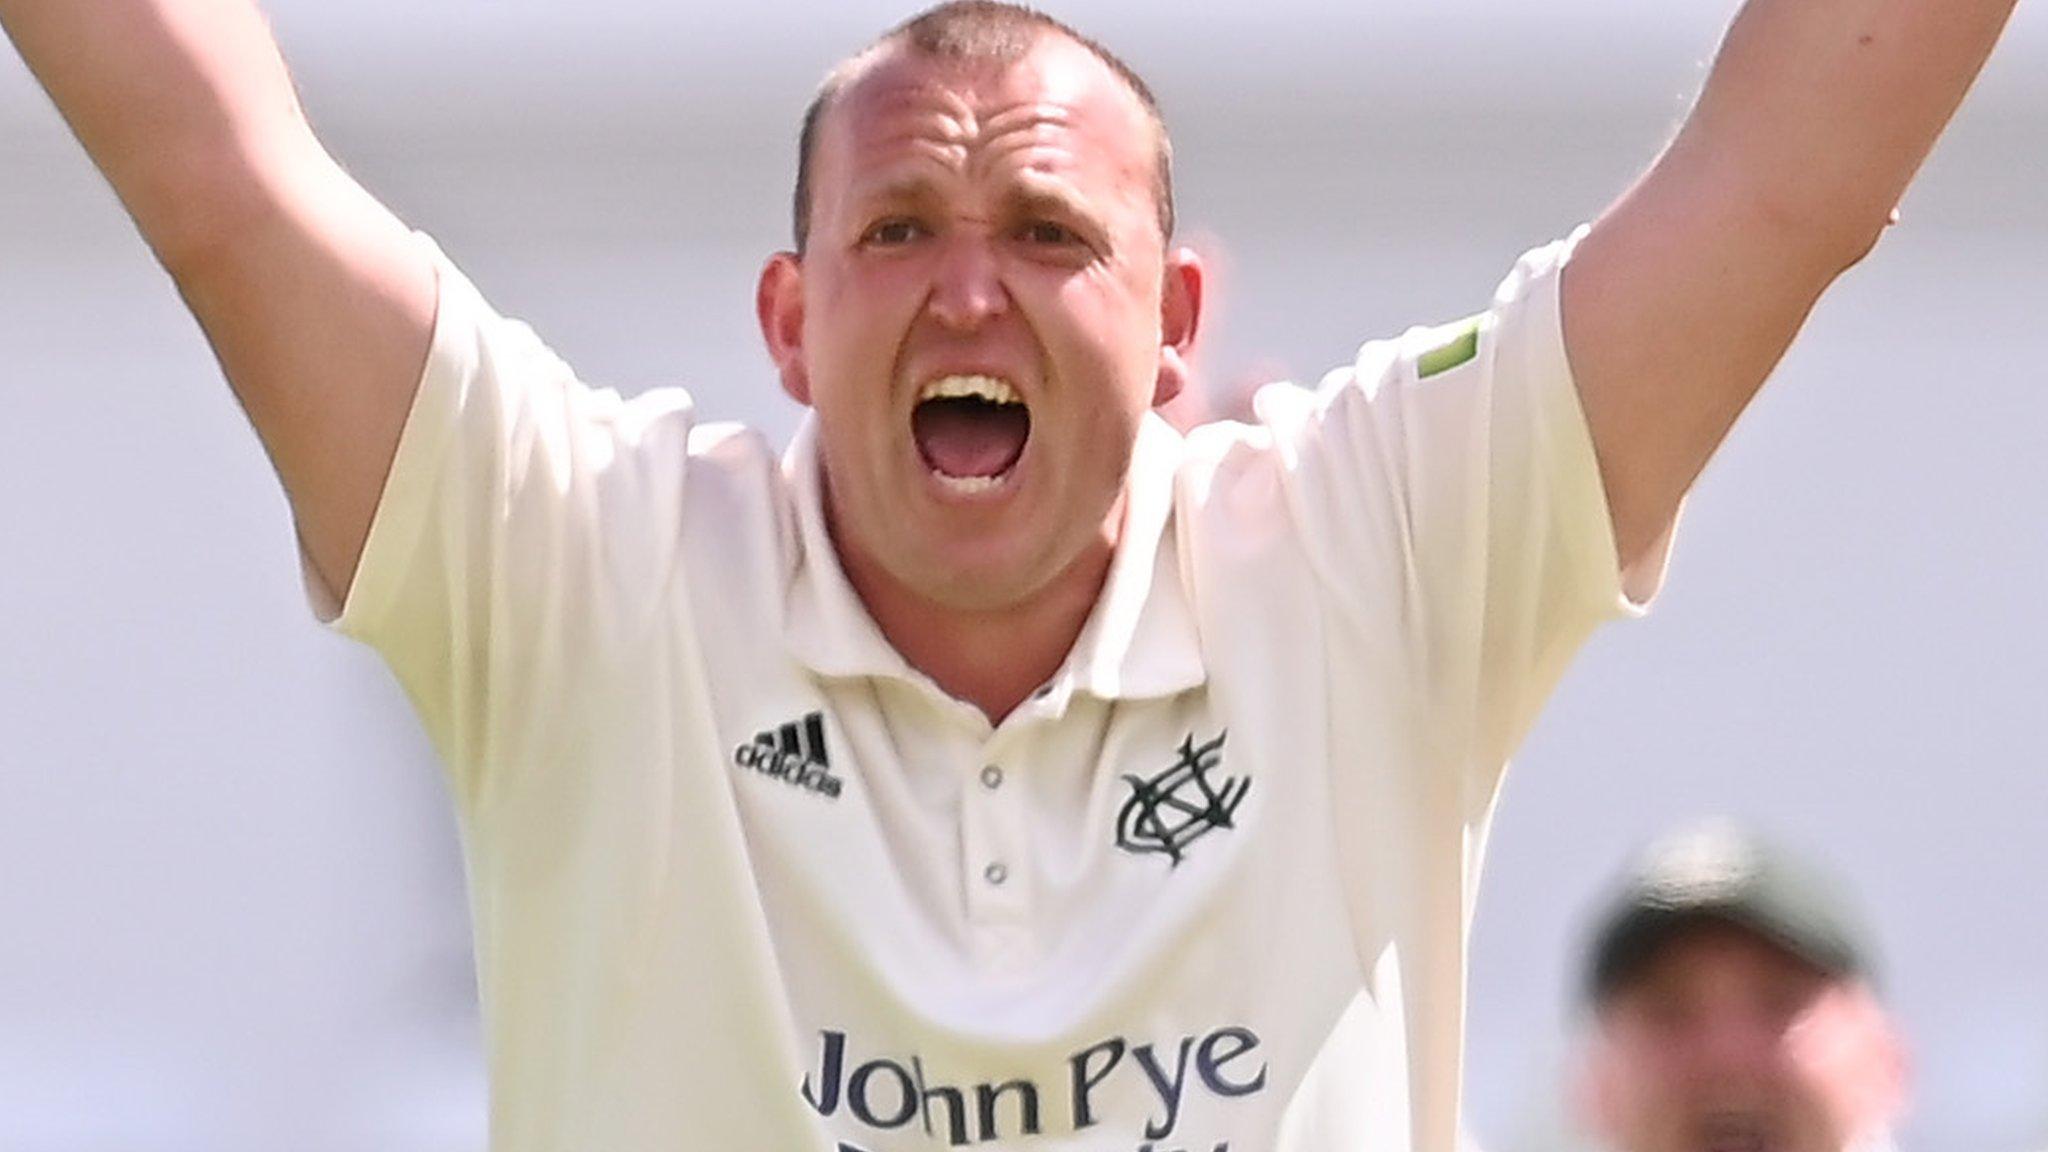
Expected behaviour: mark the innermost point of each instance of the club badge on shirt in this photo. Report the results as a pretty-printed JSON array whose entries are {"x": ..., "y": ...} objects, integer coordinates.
[{"x": 1167, "y": 813}]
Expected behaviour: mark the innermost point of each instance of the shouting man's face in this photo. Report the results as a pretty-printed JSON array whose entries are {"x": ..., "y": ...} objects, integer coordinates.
[
  {"x": 984, "y": 311},
  {"x": 1725, "y": 1043}
]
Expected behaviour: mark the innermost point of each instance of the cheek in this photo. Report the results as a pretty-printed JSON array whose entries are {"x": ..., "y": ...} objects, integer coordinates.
[
  {"x": 1110, "y": 337},
  {"x": 854, "y": 328},
  {"x": 856, "y": 309},
  {"x": 1644, "y": 1082}
]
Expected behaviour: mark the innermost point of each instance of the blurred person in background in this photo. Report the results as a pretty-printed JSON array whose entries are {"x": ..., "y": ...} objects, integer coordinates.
[
  {"x": 1732, "y": 1008},
  {"x": 998, "y": 763}
]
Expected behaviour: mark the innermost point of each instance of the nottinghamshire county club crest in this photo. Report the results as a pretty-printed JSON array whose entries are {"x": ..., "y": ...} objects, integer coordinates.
[{"x": 1180, "y": 805}]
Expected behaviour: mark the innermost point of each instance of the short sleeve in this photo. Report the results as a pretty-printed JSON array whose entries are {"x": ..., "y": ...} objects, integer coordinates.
[
  {"x": 487, "y": 569},
  {"x": 1447, "y": 488}
]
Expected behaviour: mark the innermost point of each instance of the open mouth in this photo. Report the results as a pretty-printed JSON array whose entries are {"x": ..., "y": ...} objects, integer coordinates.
[{"x": 970, "y": 430}]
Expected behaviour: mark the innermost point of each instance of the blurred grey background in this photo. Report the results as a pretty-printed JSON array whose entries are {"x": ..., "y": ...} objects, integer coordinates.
[{"x": 231, "y": 910}]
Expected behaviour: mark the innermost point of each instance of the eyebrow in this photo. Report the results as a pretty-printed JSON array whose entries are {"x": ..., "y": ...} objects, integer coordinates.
[
  {"x": 1031, "y": 198},
  {"x": 1055, "y": 199}
]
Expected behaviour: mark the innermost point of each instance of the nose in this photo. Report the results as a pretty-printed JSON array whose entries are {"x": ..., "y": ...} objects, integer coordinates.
[
  {"x": 1739, "y": 1044},
  {"x": 967, "y": 286}
]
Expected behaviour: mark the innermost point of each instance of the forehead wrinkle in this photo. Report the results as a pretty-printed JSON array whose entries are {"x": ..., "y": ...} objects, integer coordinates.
[
  {"x": 881, "y": 117},
  {"x": 912, "y": 125},
  {"x": 976, "y": 104},
  {"x": 905, "y": 173},
  {"x": 1043, "y": 156},
  {"x": 1027, "y": 156},
  {"x": 1038, "y": 173},
  {"x": 961, "y": 134},
  {"x": 1033, "y": 115},
  {"x": 1034, "y": 122},
  {"x": 1063, "y": 137}
]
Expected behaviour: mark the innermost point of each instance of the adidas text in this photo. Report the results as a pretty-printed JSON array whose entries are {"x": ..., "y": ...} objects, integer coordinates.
[{"x": 795, "y": 754}]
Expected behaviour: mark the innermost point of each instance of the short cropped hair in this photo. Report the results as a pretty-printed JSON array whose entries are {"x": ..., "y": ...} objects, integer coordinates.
[{"x": 992, "y": 32}]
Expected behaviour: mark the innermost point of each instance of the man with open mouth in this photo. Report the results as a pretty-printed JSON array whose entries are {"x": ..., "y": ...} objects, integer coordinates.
[{"x": 997, "y": 766}]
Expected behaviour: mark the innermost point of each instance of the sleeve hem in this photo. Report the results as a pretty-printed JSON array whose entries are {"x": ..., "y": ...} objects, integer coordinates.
[
  {"x": 402, "y": 504},
  {"x": 1620, "y": 591}
]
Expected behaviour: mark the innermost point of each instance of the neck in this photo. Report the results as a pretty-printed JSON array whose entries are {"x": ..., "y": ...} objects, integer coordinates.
[{"x": 991, "y": 658}]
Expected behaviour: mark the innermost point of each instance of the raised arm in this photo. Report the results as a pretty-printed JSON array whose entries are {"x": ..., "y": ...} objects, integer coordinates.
[
  {"x": 1689, "y": 289},
  {"x": 318, "y": 303}
]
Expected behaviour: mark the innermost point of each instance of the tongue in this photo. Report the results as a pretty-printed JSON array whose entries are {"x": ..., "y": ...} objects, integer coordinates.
[{"x": 966, "y": 437}]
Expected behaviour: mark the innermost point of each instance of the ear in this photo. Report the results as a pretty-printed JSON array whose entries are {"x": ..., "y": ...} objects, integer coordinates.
[
  {"x": 1899, "y": 1062},
  {"x": 1887, "y": 1072},
  {"x": 779, "y": 306},
  {"x": 1180, "y": 318}
]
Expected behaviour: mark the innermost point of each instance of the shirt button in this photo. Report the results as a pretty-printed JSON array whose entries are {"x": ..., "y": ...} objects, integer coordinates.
[
  {"x": 991, "y": 777},
  {"x": 995, "y": 873}
]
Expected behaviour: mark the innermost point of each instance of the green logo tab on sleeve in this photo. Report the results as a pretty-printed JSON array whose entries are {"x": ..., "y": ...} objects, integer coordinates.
[{"x": 1462, "y": 348}]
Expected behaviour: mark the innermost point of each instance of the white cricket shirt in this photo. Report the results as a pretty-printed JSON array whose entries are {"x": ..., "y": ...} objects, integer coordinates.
[{"x": 742, "y": 879}]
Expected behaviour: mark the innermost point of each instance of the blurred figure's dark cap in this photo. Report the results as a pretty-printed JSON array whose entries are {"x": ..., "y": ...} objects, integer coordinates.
[{"x": 1720, "y": 873}]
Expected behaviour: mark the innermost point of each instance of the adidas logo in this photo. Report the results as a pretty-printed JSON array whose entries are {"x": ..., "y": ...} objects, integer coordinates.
[{"x": 794, "y": 754}]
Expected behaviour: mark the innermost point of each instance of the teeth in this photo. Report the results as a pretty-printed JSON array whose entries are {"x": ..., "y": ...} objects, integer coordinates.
[
  {"x": 989, "y": 388},
  {"x": 969, "y": 485}
]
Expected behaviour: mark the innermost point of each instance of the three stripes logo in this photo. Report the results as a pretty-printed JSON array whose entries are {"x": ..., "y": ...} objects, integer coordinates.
[{"x": 793, "y": 754}]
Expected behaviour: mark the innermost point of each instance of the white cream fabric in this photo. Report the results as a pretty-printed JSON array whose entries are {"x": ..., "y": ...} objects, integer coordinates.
[{"x": 742, "y": 879}]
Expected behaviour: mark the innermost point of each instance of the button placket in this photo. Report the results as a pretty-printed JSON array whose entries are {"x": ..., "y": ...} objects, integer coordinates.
[
  {"x": 997, "y": 866},
  {"x": 977, "y": 849}
]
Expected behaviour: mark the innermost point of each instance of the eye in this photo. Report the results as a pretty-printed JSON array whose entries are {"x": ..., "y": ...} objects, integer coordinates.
[
  {"x": 893, "y": 232},
  {"x": 1049, "y": 233}
]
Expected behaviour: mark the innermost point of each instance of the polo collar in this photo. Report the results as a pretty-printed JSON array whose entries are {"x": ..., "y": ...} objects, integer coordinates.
[{"x": 1138, "y": 642}]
